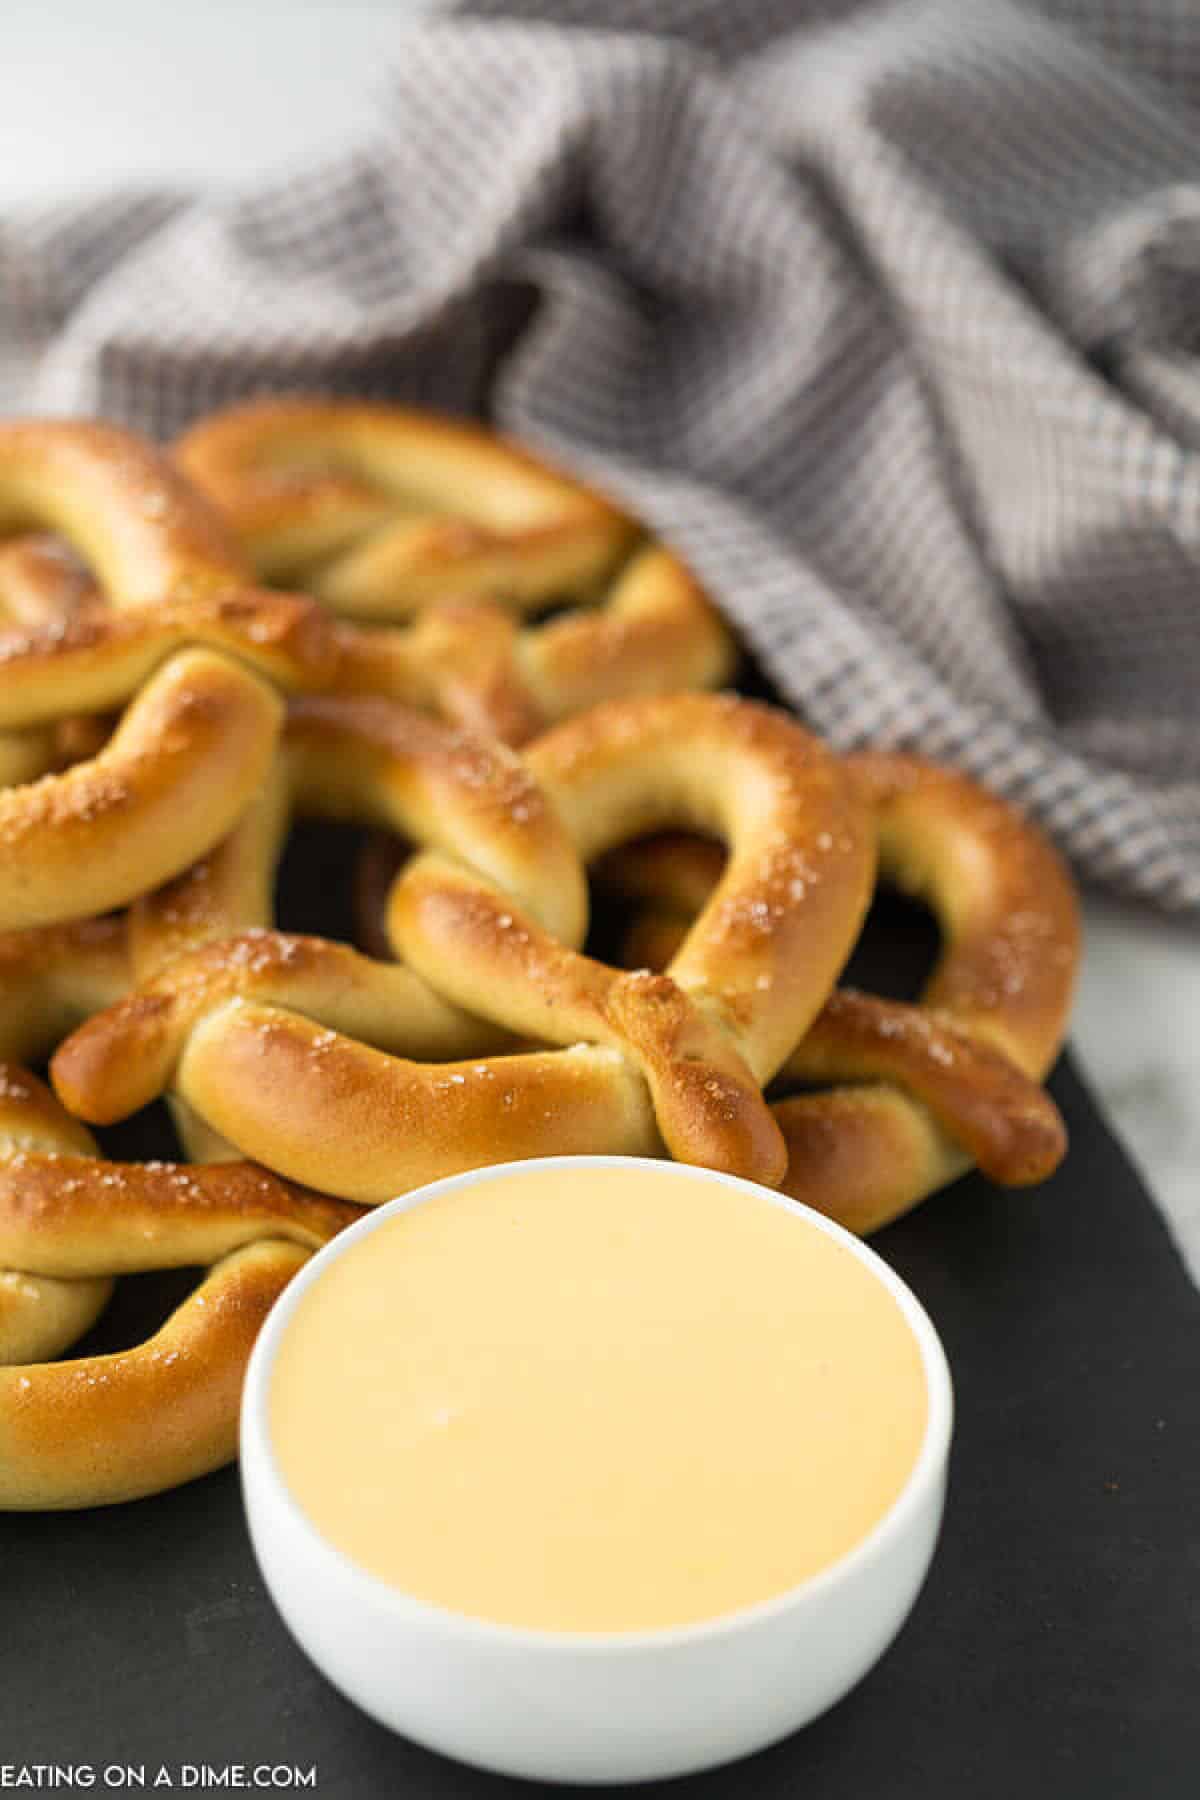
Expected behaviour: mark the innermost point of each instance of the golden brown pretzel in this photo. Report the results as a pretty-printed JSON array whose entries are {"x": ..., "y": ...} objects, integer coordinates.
[
  {"x": 137, "y": 524},
  {"x": 387, "y": 515},
  {"x": 104, "y": 1428},
  {"x": 171, "y": 782},
  {"x": 342, "y": 757},
  {"x": 642, "y": 1061},
  {"x": 953, "y": 1081},
  {"x": 197, "y": 738},
  {"x": 368, "y": 761}
]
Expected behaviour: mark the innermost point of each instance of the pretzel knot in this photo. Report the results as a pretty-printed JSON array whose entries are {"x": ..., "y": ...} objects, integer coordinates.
[
  {"x": 488, "y": 919},
  {"x": 923, "y": 1092},
  {"x": 391, "y": 516}
]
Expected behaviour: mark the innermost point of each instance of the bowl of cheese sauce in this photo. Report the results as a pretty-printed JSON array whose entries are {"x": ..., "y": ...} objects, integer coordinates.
[{"x": 595, "y": 1468}]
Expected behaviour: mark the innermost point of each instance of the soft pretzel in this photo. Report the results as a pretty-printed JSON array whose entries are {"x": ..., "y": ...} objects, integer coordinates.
[
  {"x": 197, "y": 736},
  {"x": 942, "y": 1086},
  {"x": 643, "y": 1062},
  {"x": 97, "y": 1429},
  {"x": 104, "y": 1428},
  {"x": 365, "y": 760},
  {"x": 361, "y": 759},
  {"x": 182, "y": 764},
  {"x": 135, "y": 521},
  {"x": 384, "y": 509},
  {"x": 393, "y": 516}
]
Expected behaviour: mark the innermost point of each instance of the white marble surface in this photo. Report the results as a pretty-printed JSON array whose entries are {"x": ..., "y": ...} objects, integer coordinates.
[
  {"x": 133, "y": 90},
  {"x": 1137, "y": 1031}
]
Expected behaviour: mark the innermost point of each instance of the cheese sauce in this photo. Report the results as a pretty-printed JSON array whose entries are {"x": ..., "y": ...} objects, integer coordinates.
[{"x": 604, "y": 1398}]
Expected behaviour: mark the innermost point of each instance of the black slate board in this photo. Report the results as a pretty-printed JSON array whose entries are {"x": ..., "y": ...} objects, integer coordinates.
[{"x": 1055, "y": 1650}]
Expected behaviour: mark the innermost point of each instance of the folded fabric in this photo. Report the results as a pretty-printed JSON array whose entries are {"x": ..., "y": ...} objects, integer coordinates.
[{"x": 885, "y": 315}]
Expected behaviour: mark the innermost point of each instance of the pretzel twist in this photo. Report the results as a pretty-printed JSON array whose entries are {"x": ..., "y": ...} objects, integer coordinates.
[
  {"x": 391, "y": 516},
  {"x": 264, "y": 1055},
  {"x": 937, "y": 1087}
]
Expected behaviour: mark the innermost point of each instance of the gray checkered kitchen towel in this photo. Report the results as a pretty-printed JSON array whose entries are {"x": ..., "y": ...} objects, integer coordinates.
[{"x": 887, "y": 315}]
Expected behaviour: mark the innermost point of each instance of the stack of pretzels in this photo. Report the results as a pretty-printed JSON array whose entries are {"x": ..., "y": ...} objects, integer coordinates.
[{"x": 373, "y": 616}]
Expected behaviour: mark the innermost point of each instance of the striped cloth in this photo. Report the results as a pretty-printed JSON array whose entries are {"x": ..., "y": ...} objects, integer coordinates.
[{"x": 886, "y": 315}]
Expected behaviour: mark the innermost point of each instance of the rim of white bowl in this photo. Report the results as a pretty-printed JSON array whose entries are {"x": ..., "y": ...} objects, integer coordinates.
[{"x": 926, "y": 1471}]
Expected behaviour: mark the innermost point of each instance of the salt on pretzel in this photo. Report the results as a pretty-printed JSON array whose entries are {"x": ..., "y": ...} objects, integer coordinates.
[
  {"x": 937, "y": 1087},
  {"x": 393, "y": 516},
  {"x": 642, "y": 1062}
]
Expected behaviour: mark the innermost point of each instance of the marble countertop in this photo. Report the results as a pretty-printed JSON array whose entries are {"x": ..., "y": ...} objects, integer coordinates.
[
  {"x": 128, "y": 92},
  {"x": 1137, "y": 1033}
]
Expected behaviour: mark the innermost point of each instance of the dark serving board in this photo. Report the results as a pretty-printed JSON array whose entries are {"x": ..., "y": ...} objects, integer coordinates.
[{"x": 1055, "y": 1650}]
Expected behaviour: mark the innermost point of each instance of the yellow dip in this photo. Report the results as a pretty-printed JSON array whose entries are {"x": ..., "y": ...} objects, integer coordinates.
[{"x": 597, "y": 1399}]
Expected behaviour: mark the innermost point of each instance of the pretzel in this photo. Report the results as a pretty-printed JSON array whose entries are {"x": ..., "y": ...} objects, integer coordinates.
[
  {"x": 643, "y": 1062},
  {"x": 172, "y": 638},
  {"x": 392, "y": 516},
  {"x": 103, "y": 1428},
  {"x": 120, "y": 504},
  {"x": 351, "y": 758},
  {"x": 98, "y": 1429},
  {"x": 178, "y": 770},
  {"x": 939, "y": 1087}
]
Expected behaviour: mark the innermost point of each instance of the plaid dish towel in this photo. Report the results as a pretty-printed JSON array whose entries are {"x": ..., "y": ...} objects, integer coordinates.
[{"x": 887, "y": 315}]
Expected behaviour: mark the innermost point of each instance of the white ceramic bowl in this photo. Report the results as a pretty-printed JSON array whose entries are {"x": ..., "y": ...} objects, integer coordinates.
[{"x": 565, "y": 1706}]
